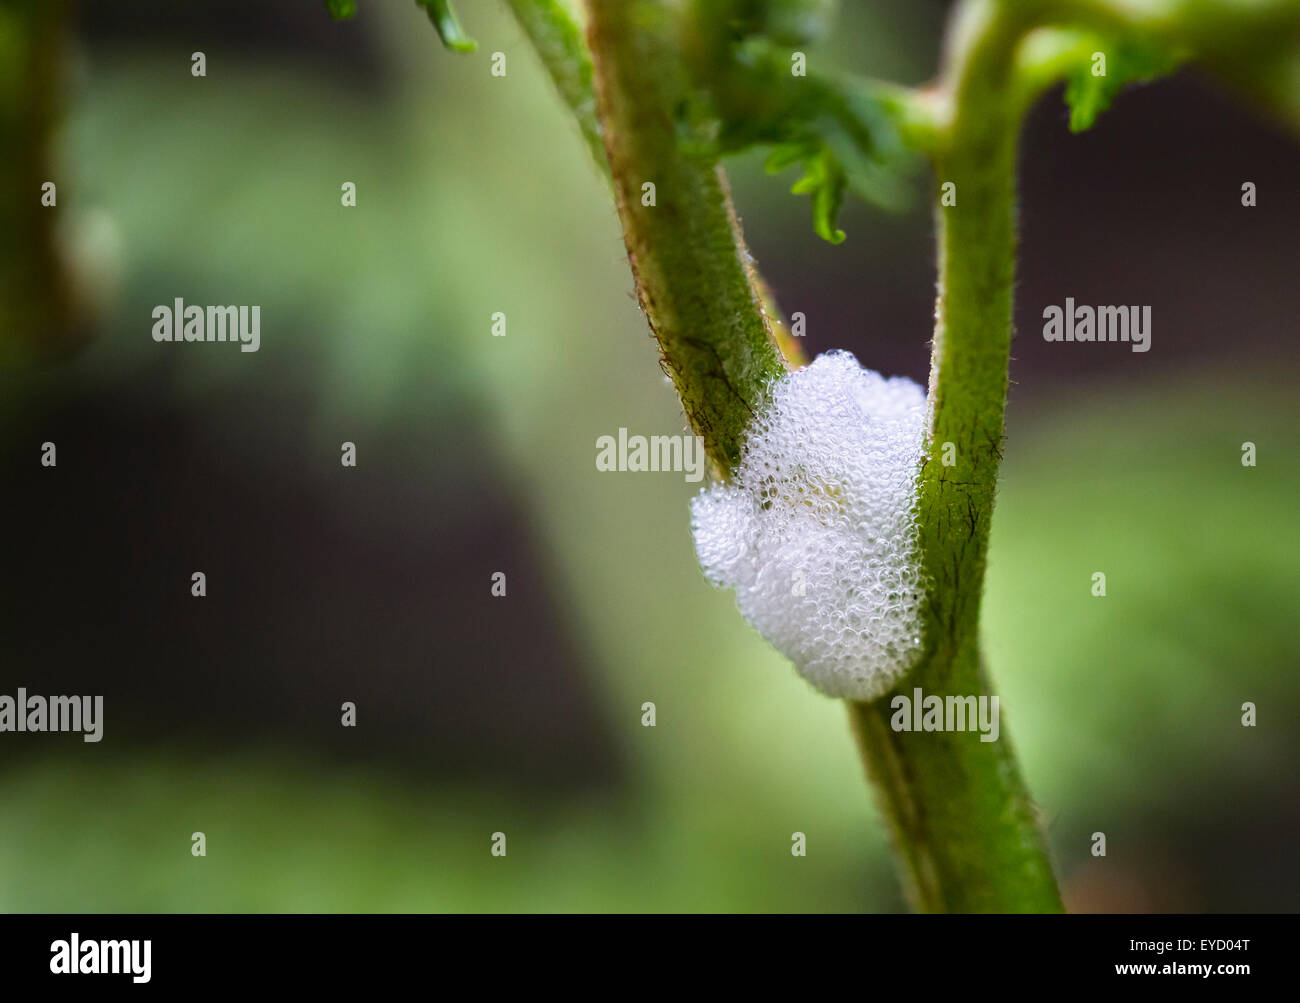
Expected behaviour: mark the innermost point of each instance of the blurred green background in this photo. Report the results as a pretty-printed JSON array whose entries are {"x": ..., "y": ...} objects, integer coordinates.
[{"x": 476, "y": 454}]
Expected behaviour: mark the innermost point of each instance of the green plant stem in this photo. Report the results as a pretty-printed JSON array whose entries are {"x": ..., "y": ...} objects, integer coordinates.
[
  {"x": 1253, "y": 46},
  {"x": 1216, "y": 29},
  {"x": 960, "y": 816},
  {"x": 686, "y": 250},
  {"x": 560, "y": 45}
]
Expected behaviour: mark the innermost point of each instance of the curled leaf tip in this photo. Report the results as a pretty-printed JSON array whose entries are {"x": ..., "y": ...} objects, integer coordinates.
[
  {"x": 447, "y": 25},
  {"x": 1090, "y": 88}
]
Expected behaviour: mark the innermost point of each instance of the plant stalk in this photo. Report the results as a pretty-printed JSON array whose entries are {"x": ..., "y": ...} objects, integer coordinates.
[
  {"x": 959, "y": 813},
  {"x": 683, "y": 240}
]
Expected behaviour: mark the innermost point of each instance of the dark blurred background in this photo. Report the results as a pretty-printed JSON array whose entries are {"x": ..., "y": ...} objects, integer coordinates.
[{"x": 522, "y": 714}]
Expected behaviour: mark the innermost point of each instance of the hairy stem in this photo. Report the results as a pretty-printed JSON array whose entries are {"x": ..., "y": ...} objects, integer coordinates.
[
  {"x": 961, "y": 818},
  {"x": 683, "y": 240},
  {"x": 960, "y": 815}
]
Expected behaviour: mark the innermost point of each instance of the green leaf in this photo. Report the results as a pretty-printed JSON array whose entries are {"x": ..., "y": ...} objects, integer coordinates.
[
  {"x": 824, "y": 181},
  {"x": 842, "y": 129},
  {"x": 440, "y": 13},
  {"x": 448, "y": 25},
  {"x": 784, "y": 156},
  {"x": 1088, "y": 93}
]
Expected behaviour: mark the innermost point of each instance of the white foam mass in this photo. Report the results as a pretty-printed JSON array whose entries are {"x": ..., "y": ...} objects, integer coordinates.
[{"x": 816, "y": 531}]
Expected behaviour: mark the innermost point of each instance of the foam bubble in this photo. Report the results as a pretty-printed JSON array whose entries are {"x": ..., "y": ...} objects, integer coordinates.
[{"x": 816, "y": 531}]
